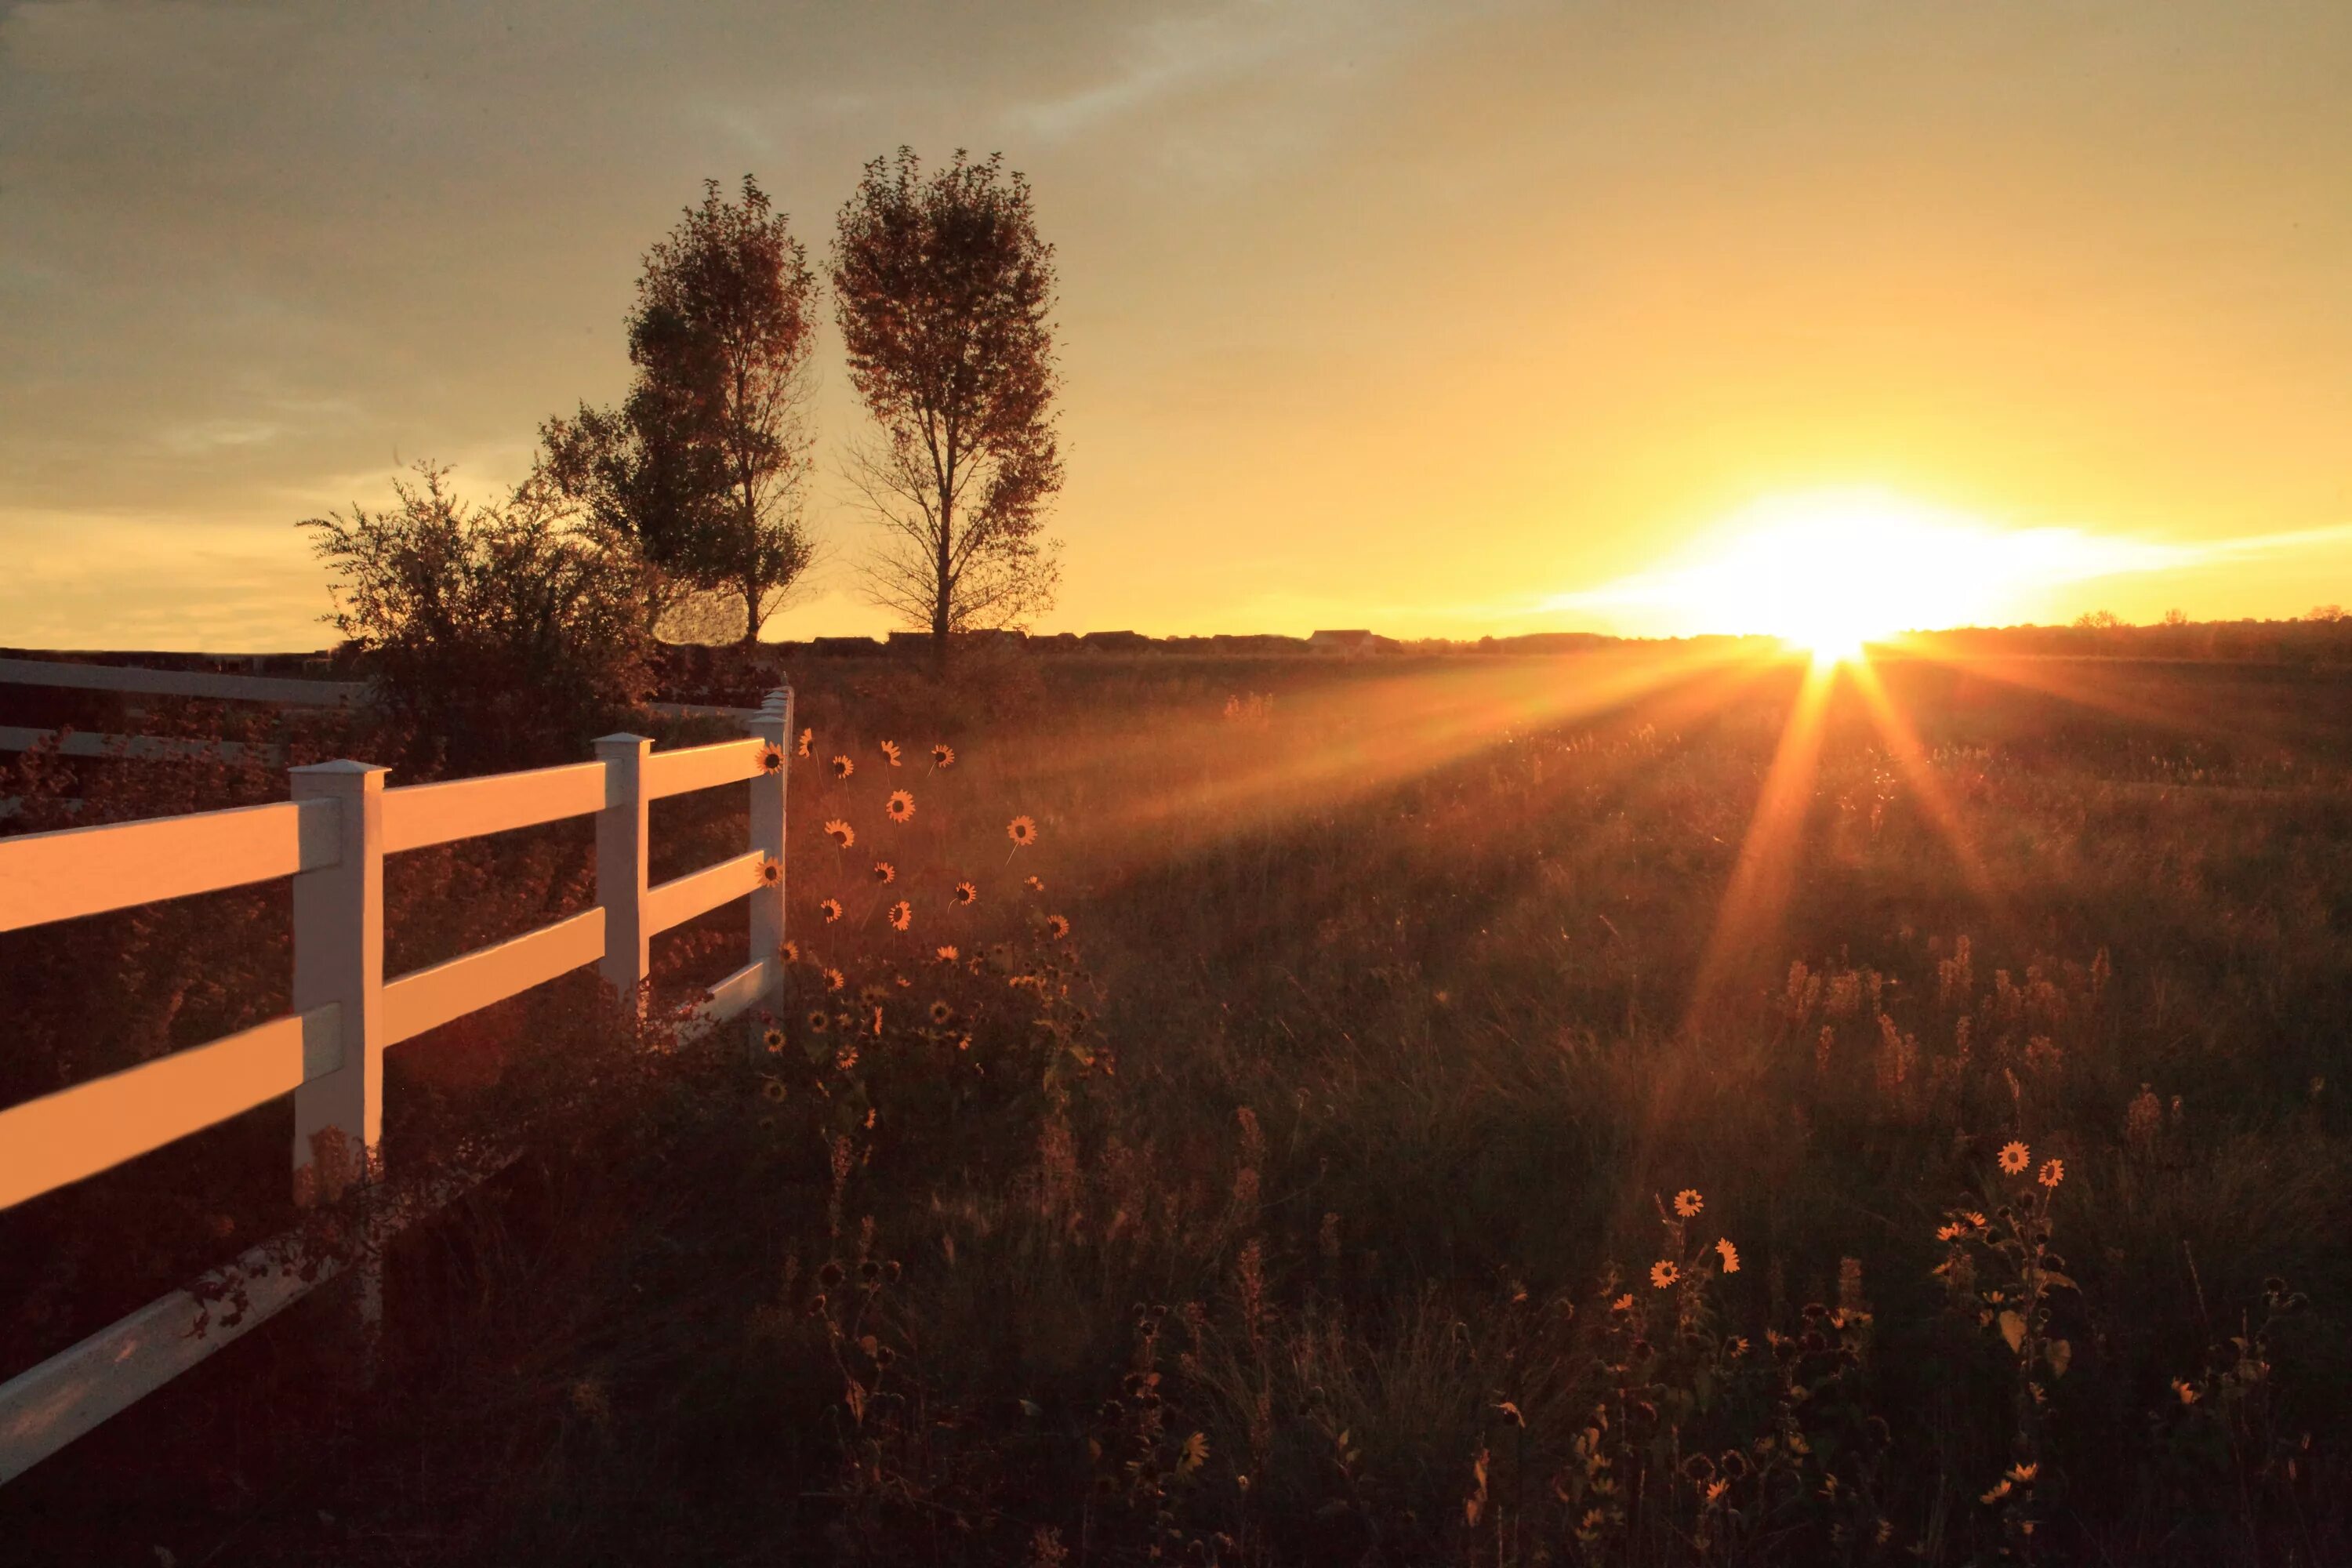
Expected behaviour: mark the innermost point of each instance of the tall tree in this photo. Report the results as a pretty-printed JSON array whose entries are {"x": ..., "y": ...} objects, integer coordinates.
[
  {"x": 704, "y": 467},
  {"x": 942, "y": 289}
]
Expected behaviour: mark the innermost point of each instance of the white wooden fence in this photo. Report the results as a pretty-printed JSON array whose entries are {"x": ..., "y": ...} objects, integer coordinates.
[{"x": 328, "y": 1051}]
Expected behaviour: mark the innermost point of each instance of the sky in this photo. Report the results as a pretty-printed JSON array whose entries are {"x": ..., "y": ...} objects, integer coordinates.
[{"x": 1443, "y": 319}]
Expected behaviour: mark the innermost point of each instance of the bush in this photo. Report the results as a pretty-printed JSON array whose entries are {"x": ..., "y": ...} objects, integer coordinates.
[{"x": 503, "y": 636}]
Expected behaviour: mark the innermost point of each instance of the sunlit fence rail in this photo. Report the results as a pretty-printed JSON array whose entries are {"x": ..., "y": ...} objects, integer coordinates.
[{"x": 332, "y": 838}]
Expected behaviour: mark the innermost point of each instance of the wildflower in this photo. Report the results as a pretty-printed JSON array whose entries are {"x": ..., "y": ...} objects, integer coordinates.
[
  {"x": 890, "y": 750},
  {"x": 790, "y": 951},
  {"x": 846, "y": 1057},
  {"x": 771, "y": 872},
  {"x": 1998, "y": 1491},
  {"x": 1623, "y": 1303},
  {"x": 773, "y": 1087},
  {"x": 1976, "y": 1221},
  {"x": 1663, "y": 1273},
  {"x": 1023, "y": 831},
  {"x": 1715, "y": 1488},
  {"x": 2014, "y": 1157},
  {"x": 948, "y": 955},
  {"x": 1034, "y": 884},
  {"x": 772, "y": 758},
  {"x": 2053, "y": 1173},
  {"x": 831, "y": 909},
  {"x": 819, "y": 1021},
  {"x": 884, "y": 872},
  {"x": 1736, "y": 1345},
  {"x": 1947, "y": 1233},
  {"x": 902, "y": 915},
  {"x": 899, "y": 806},
  {"x": 2187, "y": 1390},
  {"x": 841, "y": 833},
  {"x": 843, "y": 767},
  {"x": 1688, "y": 1202},
  {"x": 773, "y": 1038},
  {"x": 941, "y": 1013},
  {"x": 1058, "y": 926},
  {"x": 1730, "y": 1256},
  {"x": 834, "y": 980},
  {"x": 966, "y": 895},
  {"x": 943, "y": 756},
  {"x": 2021, "y": 1474},
  {"x": 870, "y": 994},
  {"x": 806, "y": 736}
]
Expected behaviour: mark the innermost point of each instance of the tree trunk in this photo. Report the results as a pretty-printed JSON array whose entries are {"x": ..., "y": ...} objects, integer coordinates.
[{"x": 750, "y": 612}]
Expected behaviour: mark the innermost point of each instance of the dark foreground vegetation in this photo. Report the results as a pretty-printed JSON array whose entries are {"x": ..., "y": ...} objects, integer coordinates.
[{"x": 1361, "y": 1174}]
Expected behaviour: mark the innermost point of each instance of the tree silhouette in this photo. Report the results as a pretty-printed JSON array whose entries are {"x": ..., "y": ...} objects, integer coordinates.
[
  {"x": 704, "y": 467},
  {"x": 942, "y": 287}
]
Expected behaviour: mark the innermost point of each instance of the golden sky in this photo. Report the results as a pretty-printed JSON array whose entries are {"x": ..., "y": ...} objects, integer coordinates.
[{"x": 1442, "y": 319}]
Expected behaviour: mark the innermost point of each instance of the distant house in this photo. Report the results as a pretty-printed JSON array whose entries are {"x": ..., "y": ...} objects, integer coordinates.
[
  {"x": 836, "y": 646},
  {"x": 1349, "y": 644},
  {"x": 1116, "y": 642}
]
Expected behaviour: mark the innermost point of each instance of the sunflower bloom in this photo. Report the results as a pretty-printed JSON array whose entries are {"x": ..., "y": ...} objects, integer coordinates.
[
  {"x": 1023, "y": 831},
  {"x": 941, "y": 1012},
  {"x": 2000, "y": 1489},
  {"x": 772, "y": 758},
  {"x": 1947, "y": 1233},
  {"x": 790, "y": 951},
  {"x": 890, "y": 750},
  {"x": 2053, "y": 1173},
  {"x": 902, "y": 915},
  {"x": 841, "y": 833},
  {"x": 819, "y": 1021},
  {"x": 1058, "y": 926},
  {"x": 942, "y": 756},
  {"x": 2021, "y": 1474},
  {"x": 843, "y": 767},
  {"x": 884, "y": 872},
  {"x": 1730, "y": 1256},
  {"x": 1034, "y": 884},
  {"x": 899, "y": 806},
  {"x": 948, "y": 955},
  {"x": 830, "y": 910},
  {"x": 1688, "y": 1202},
  {"x": 773, "y": 1038},
  {"x": 834, "y": 980},
  {"x": 771, "y": 873},
  {"x": 1665, "y": 1272},
  {"x": 773, "y": 1089},
  {"x": 2014, "y": 1157},
  {"x": 1623, "y": 1303},
  {"x": 966, "y": 895},
  {"x": 806, "y": 737}
]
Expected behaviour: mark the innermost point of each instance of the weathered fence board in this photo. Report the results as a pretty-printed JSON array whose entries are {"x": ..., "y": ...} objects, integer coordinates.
[
  {"x": 77, "y": 871},
  {"x": 428, "y": 998},
  {"x": 422, "y": 815},
  {"x": 49, "y": 1142}
]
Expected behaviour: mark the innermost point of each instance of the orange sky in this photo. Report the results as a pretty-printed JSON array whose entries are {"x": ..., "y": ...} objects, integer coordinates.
[{"x": 1443, "y": 319}]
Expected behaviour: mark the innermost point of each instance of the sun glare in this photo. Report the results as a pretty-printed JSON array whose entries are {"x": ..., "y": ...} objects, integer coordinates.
[{"x": 1832, "y": 570}]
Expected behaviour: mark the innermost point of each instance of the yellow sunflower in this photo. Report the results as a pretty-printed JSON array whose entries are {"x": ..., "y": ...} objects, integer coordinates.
[
  {"x": 884, "y": 872},
  {"x": 899, "y": 806},
  {"x": 1730, "y": 1256},
  {"x": 773, "y": 1038},
  {"x": 966, "y": 895},
  {"x": 771, "y": 872},
  {"x": 1665, "y": 1272},
  {"x": 773, "y": 1089},
  {"x": 902, "y": 915},
  {"x": 1058, "y": 926},
  {"x": 843, "y": 767},
  {"x": 806, "y": 737},
  {"x": 830, "y": 910},
  {"x": 790, "y": 951},
  {"x": 1688, "y": 1202},
  {"x": 819, "y": 1021},
  {"x": 941, "y": 1012},
  {"x": 948, "y": 955},
  {"x": 890, "y": 750},
  {"x": 1023, "y": 831},
  {"x": 2053, "y": 1173},
  {"x": 772, "y": 758},
  {"x": 841, "y": 833},
  {"x": 942, "y": 756},
  {"x": 2014, "y": 1157},
  {"x": 834, "y": 980}
]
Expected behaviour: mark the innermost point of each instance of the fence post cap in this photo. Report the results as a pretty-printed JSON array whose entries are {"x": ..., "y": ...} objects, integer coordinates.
[
  {"x": 343, "y": 767},
  {"x": 623, "y": 740},
  {"x": 778, "y": 698}
]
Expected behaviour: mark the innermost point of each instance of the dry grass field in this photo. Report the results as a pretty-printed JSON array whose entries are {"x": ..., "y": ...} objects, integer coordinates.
[{"x": 1609, "y": 1109}]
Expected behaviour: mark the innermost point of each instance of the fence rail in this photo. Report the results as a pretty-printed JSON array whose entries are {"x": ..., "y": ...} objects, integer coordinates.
[{"x": 326, "y": 1052}]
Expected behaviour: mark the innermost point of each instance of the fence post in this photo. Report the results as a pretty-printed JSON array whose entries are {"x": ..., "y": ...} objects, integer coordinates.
[
  {"x": 339, "y": 958},
  {"x": 774, "y": 724},
  {"x": 620, "y": 841}
]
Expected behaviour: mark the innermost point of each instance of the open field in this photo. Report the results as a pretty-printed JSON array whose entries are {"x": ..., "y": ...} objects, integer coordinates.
[{"x": 1304, "y": 1202}]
